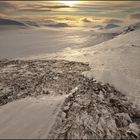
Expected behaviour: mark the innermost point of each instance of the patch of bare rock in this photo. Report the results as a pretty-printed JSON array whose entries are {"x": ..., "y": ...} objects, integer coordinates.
[
  {"x": 20, "y": 79},
  {"x": 97, "y": 111}
]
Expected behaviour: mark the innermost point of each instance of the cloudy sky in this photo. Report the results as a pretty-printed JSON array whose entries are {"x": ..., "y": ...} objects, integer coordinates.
[{"x": 76, "y": 12}]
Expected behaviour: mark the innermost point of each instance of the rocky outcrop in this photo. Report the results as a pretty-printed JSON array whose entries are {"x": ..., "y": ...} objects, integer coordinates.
[
  {"x": 19, "y": 79},
  {"x": 96, "y": 111},
  {"x": 92, "y": 110}
]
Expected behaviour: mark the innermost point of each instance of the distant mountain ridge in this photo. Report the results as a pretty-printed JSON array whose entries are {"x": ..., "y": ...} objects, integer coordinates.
[
  {"x": 131, "y": 28},
  {"x": 12, "y": 22},
  {"x": 29, "y": 23},
  {"x": 59, "y": 25},
  {"x": 109, "y": 26},
  {"x": 4, "y": 21}
]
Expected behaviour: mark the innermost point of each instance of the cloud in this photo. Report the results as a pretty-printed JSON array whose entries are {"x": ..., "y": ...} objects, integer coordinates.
[
  {"x": 86, "y": 20},
  {"x": 85, "y": 10},
  {"x": 58, "y": 6},
  {"x": 110, "y": 4},
  {"x": 6, "y": 7},
  {"x": 110, "y": 21},
  {"x": 135, "y": 16},
  {"x": 43, "y": 6},
  {"x": 34, "y": 10}
]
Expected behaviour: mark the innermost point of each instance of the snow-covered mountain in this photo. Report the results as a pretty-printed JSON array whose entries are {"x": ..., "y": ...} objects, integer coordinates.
[
  {"x": 132, "y": 27},
  {"x": 58, "y": 25},
  {"x": 11, "y": 22},
  {"x": 109, "y": 26}
]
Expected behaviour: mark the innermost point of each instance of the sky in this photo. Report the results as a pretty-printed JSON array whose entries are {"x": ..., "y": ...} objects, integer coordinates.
[{"x": 72, "y": 12}]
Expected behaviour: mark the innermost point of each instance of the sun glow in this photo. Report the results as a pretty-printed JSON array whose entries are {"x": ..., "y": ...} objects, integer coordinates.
[{"x": 70, "y": 2}]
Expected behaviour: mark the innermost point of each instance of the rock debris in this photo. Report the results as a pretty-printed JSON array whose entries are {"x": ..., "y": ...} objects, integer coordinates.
[{"x": 92, "y": 110}]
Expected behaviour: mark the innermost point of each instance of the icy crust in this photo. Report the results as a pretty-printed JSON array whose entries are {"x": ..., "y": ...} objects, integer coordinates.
[
  {"x": 97, "y": 111},
  {"x": 19, "y": 78}
]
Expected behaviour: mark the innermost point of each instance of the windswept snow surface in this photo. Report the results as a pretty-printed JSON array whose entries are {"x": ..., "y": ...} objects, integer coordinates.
[
  {"x": 115, "y": 61},
  {"x": 29, "y": 118},
  {"x": 32, "y": 42}
]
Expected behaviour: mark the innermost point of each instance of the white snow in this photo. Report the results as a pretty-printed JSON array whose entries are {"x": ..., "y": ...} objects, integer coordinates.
[
  {"x": 115, "y": 61},
  {"x": 31, "y": 42},
  {"x": 29, "y": 118}
]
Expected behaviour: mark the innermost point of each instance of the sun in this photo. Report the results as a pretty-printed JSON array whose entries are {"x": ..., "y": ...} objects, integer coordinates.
[{"x": 70, "y": 2}]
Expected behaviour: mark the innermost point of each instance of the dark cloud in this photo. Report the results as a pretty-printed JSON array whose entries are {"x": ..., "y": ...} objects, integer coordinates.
[
  {"x": 34, "y": 10},
  {"x": 59, "y": 25},
  {"x": 42, "y": 6},
  {"x": 7, "y": 7},
  {"x": 58, "y": 6},
  {"x": 86, "y": 20},
  {"x": 113, "y": 21},
  {"x": 135, "y": 16},
  {"x": 98, "y": 9}
]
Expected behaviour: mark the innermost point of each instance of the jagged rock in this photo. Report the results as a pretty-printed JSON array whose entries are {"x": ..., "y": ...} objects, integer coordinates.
[
  {"x": 123, "y": 119},
  {"x": 135, "y": 129},
  {"x": 45, "y": 91},
  {"x": 36, "y": 77},
  {"x": 97, "y": 113},
  {"x": 132, "y": 134},
  {"x": 92, "y": 110},
  {"x": 66, "y": 108},
  {"x": 63, "y": 116},
  {"x": 101, "y": 96},
  {"x": 137, "y": 113}
]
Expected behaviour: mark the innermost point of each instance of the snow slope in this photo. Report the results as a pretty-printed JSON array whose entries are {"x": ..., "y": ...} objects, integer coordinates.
[
  {"x": 32, "y": 42},
  {"x": 115, "y": 61},
  {"x": 29, "y": 118}
]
